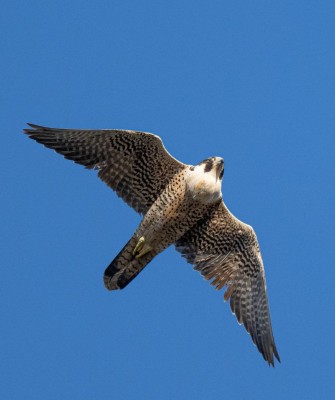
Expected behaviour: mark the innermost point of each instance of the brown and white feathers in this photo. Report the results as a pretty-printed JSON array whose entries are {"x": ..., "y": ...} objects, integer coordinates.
[{"x": 140, "y": 170}]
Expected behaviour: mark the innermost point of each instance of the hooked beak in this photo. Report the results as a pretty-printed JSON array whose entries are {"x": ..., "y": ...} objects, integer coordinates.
[{"x": 219, "y": 165}]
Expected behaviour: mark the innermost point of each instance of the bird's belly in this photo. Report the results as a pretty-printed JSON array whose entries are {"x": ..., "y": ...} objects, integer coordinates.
[{"x": 173, "y": 214}]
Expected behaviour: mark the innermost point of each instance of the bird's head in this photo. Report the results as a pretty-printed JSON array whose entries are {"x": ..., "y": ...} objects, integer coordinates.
[
  {"x": 204, "y": 180},
  {"x": 213, "y": 166}
]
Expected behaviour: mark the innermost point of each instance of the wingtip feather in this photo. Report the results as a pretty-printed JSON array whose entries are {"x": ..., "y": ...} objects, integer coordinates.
[{"x": 34, "y": 126}]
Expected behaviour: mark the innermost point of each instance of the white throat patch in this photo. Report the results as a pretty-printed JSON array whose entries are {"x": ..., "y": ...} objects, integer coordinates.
[{"x": 204, "y": 187}]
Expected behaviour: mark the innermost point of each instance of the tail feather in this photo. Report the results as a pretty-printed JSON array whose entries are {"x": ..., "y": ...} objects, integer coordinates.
[{"x": 125, "y": 267}]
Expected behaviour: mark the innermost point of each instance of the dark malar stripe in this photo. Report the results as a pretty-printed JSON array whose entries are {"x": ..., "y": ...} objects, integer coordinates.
[{"x": 209, "y": 165}]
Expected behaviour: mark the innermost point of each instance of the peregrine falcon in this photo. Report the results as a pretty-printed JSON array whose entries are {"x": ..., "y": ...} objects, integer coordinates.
[{"x": 182, "y": 205}]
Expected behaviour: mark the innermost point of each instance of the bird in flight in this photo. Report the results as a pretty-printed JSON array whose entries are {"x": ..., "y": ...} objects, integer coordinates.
[{"x": 182, "y": 205}]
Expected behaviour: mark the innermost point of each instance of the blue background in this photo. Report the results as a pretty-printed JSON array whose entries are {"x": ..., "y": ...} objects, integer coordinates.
[{"x": 250, "y": 81}]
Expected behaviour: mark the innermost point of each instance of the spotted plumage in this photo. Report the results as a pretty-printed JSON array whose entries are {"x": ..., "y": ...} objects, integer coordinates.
[{"x": 181, "y": 205}]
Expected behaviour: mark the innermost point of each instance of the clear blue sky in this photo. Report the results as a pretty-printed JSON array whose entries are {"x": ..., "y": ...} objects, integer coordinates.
[{"x": 251, "y": 81}]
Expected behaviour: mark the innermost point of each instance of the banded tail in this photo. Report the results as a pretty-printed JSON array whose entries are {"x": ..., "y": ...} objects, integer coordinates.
[{"x": 125, "y": 267}]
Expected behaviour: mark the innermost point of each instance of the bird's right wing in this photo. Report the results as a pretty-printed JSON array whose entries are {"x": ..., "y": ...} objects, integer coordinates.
[
  {"x": 226, "y": 252},
  {"x": 134, "y": 164}
]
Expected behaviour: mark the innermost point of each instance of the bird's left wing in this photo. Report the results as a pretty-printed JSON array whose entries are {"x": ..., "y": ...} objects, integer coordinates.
[
  {"x": 134, "y": 164},
  {"x": 226, "y": 252}
]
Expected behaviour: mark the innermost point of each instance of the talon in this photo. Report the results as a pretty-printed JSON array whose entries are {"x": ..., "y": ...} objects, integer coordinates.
[
  {"x": 144, "y": 250},
  {"x": 139, "y": 246}
]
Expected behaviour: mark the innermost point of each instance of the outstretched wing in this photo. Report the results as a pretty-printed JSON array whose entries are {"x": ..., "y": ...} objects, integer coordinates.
[
  {"x": 134, "y": 164},
  {"x": 226, "y": 252}
]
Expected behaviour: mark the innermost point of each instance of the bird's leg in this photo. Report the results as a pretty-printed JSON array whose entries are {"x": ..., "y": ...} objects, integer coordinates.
[
  {"x": 141, "y": 248},
  {"x": 144, "y": 250}
]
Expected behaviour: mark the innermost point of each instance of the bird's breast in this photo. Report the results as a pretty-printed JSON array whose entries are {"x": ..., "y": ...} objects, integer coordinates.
[{"x": 203, "y": 187}]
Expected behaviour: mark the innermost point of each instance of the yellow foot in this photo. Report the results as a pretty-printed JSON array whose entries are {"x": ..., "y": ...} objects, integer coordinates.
[
  {"x": 141, "y": 248},
  {"x": 145, "y": 250}
]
